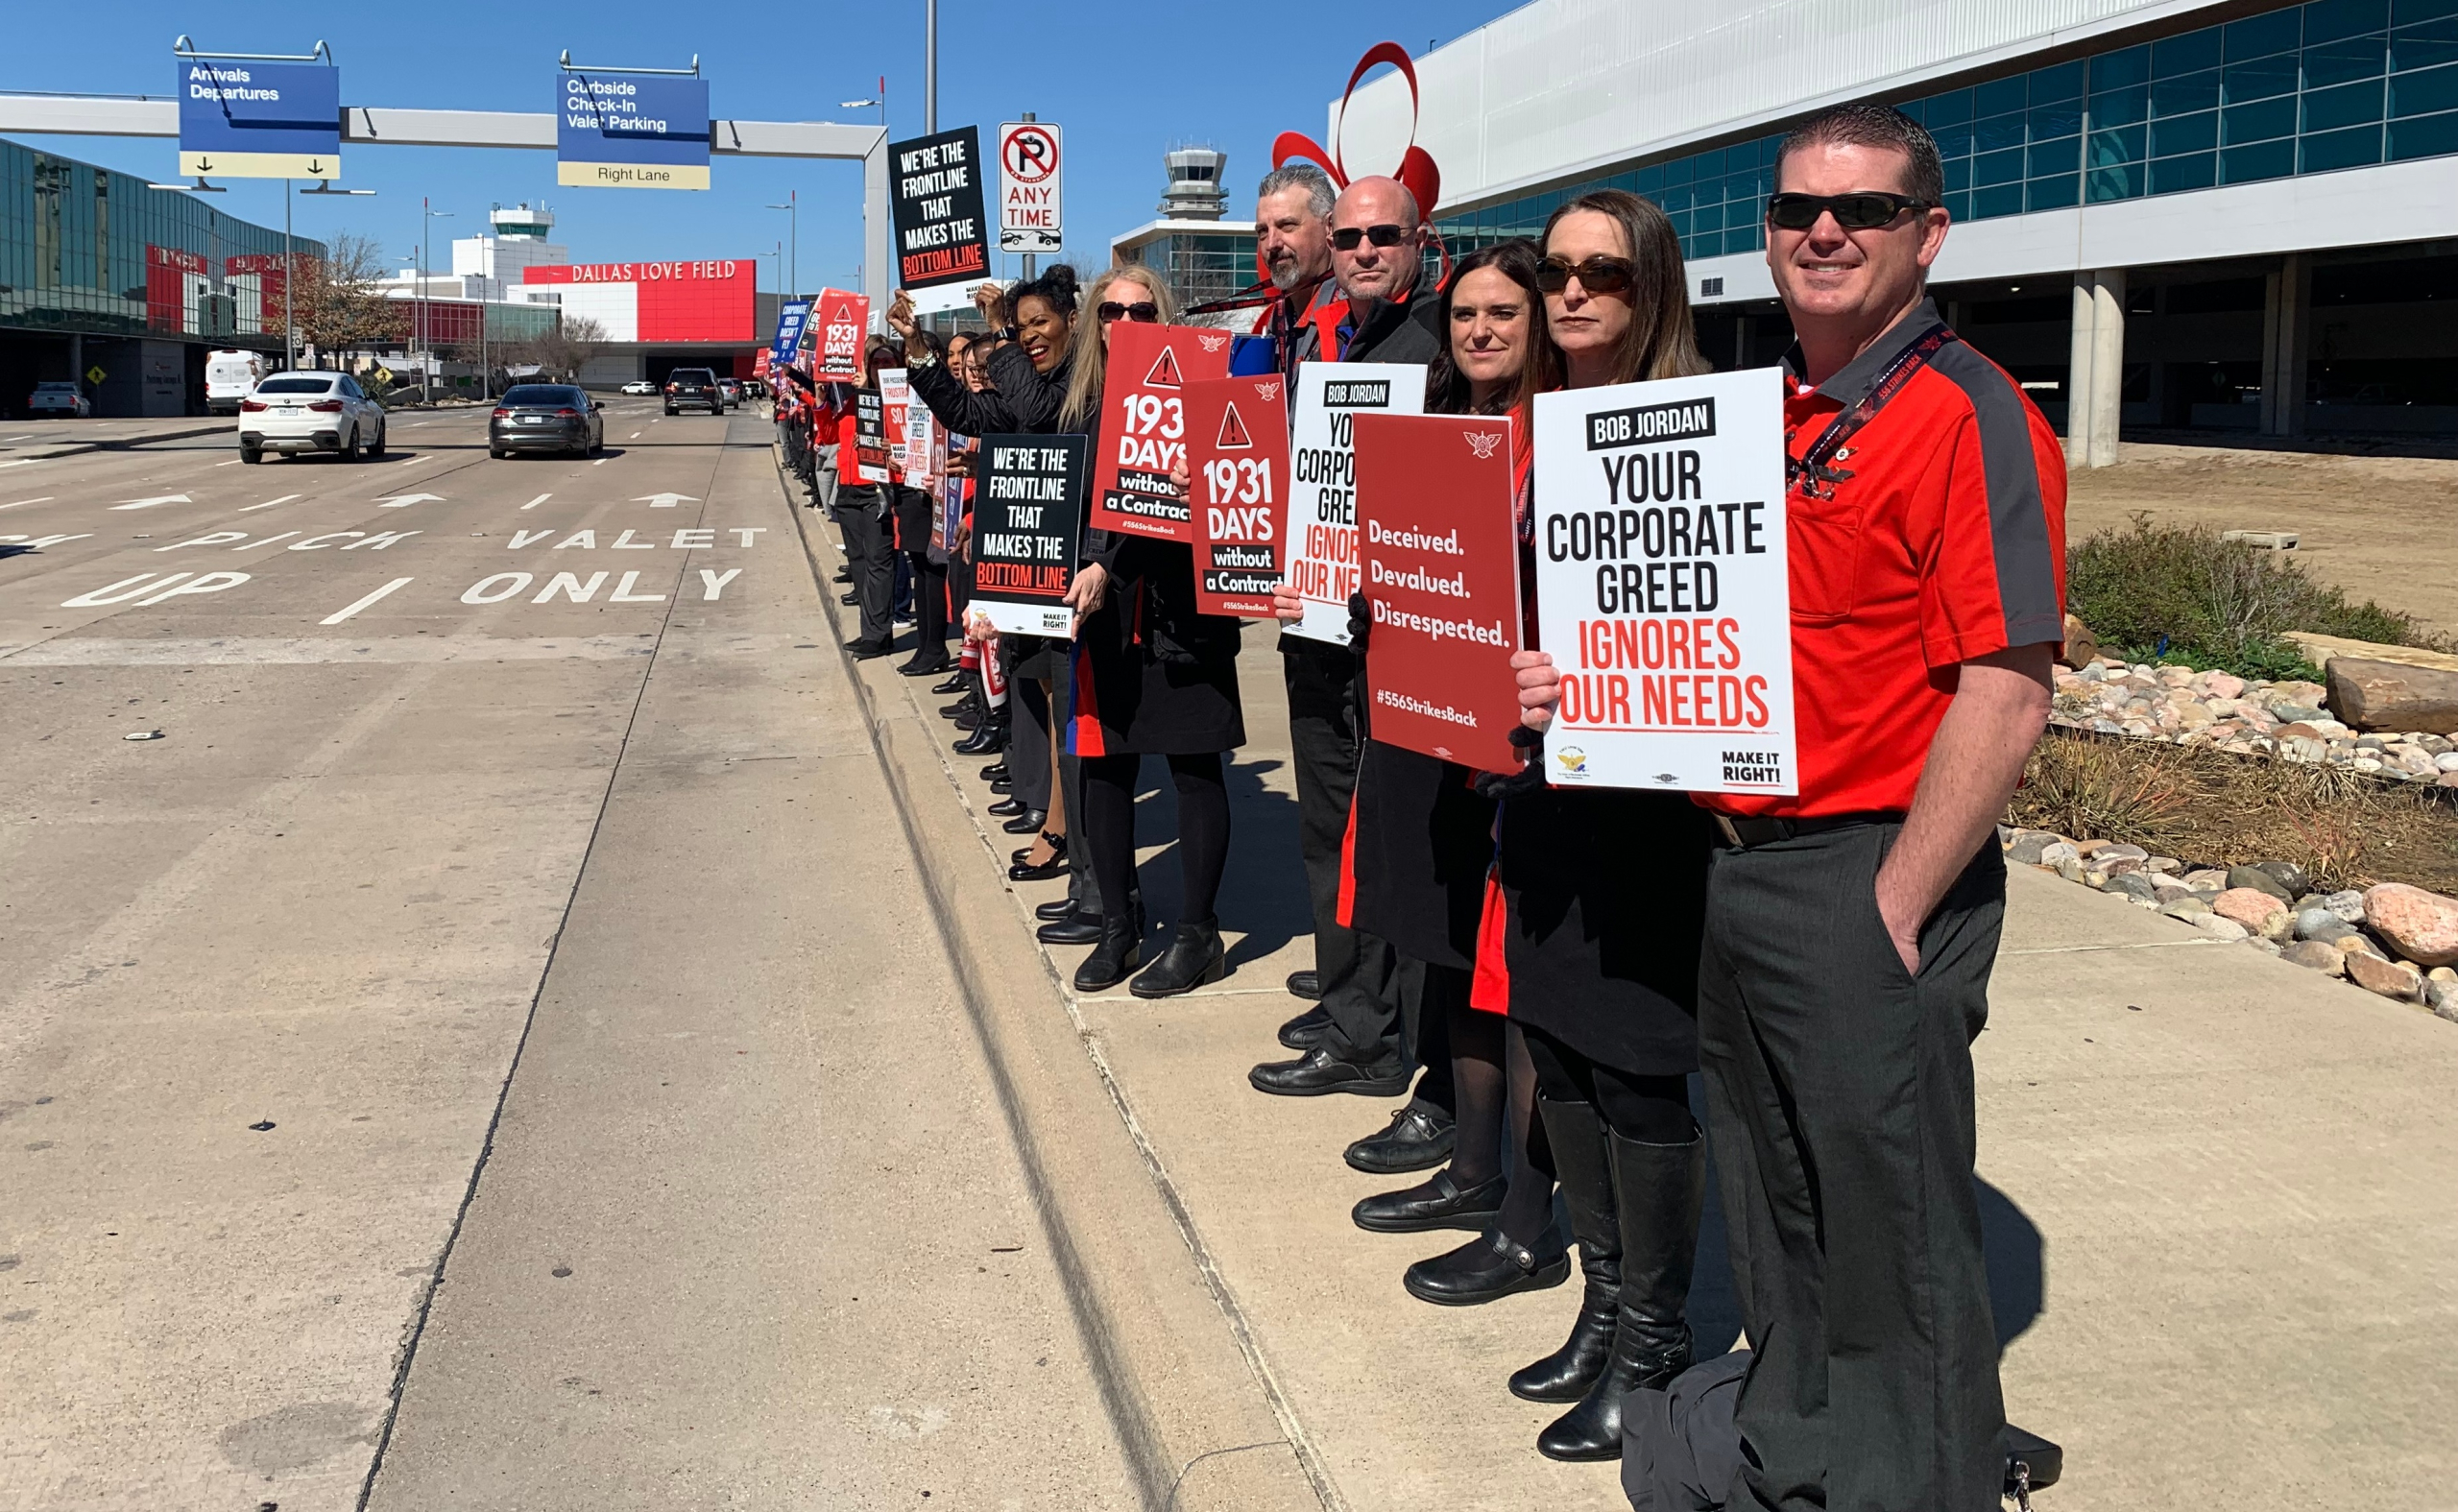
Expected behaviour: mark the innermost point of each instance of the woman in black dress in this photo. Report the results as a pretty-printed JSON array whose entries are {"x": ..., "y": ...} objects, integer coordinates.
[
  {"x": 1602, "y": 897},
  {"x": 1152, "y": 678}
]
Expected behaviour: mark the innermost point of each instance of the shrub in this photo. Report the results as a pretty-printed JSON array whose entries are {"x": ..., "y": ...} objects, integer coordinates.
[{"x": 2180, "y": 594}]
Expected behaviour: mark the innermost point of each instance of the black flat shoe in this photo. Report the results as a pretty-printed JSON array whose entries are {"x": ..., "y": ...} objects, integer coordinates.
[
  {"x": 1318, "y": 1071},
  {"x": 1006, "y": 806},
  {"x": 1071, "y": 928},
  {"x": 953, "y": 684},
  {"x": 920, "y": 668},
  {"x": 1437, "y": 1202},
  {"x": 1027, "y": 823},
  {"x": 1055, "y": 909},
  {"x": 1194, "y": 958},
  {"x": 868, "y": 650},
  {"x": 1307, "y": 1031},
  {"x": 1415, "y": 1141},
  {"x": 1485, "y": 1269},
  {"x": 994, "y": 771},
  {"x": 1308, "y": 985},
  {"x": 1118, "y": 953},
  {"x": 849, "y": 600}
]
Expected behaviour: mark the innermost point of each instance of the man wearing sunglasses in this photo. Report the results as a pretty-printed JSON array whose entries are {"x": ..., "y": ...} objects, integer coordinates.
[{"x": 1851, "y": 928}]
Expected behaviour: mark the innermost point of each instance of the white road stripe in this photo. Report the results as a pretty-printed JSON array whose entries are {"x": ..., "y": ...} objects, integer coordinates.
[
  {"x": 233, "y": 462},
  {"x": 601, "y": 462},
  {"x": 633, "y": 436},
  {"x": 270, "y": 503},
  {"x": 45, "y": 499},
  {"x": 539, "y": 499},
  {"x": 335, "y": 619},
  {"x": 21, "y": 462}
]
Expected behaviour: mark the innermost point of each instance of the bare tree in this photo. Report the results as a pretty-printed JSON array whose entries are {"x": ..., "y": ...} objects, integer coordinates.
[
  {"x": 340, "y": 306},
  {"x": 562, "y": 349}
]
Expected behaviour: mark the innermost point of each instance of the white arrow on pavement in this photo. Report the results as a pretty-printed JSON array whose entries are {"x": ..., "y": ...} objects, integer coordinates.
[
  {"x": 405, "y": 500},
  {"x": 665, "y": 501},
  {"x": 159, "y": 498}
]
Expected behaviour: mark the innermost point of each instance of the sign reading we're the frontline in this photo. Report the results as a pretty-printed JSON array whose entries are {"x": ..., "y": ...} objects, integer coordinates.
[
  {"x": 1661, "y": 586},
  {"x": 1322, "y": 481},
  {"x": 619, "y": 131},
  {"x": 869, "y": 437},
  {"x": 1027, "y": 518},
  {"x": 942, "y": 244},
  {"x": 1029, "y": 201},
  {"x": 1144, "y": 424},
  {"x": 1238, "y": 465},
  {"x": 241, "y": 119}
]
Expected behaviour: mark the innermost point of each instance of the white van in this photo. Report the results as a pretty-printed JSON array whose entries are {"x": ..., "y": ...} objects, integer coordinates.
[{"x": 230, "y": 376}]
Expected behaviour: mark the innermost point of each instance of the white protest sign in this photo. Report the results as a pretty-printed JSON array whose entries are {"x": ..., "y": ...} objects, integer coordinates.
[
  {"x": 1322, "y": 481},
  {"x": 896, "y": 399},
  {"x": 1661, "y": 584},
  {"x": 1028, "y": 200}
]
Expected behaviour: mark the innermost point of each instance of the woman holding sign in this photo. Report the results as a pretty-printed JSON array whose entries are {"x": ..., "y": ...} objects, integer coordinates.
[
  {"x": 1152, "y": 678},
  {"x": 1593, "y": 933}
]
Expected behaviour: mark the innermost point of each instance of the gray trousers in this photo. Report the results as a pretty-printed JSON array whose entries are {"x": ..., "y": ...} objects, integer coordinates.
[{"x": 1839, "y": 1100}]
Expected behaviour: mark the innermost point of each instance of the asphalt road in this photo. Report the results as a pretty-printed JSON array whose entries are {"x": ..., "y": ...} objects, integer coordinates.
[{"x": 502, "y": 984}]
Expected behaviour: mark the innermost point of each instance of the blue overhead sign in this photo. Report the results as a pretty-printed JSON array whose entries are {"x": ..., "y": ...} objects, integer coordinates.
[
  {"x": 242, "y": 119},
  {"x": 629, "y": 131},
  {"x": 792, "y": 316}
]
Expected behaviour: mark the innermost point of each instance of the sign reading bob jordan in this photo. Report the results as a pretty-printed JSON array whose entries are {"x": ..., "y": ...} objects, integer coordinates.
[
  {"x": 942, "y": 244},
  {"x": 1661, "y": 587},
  {"x": 255, "y": 120},
  {"x": 617, "y": 131}
]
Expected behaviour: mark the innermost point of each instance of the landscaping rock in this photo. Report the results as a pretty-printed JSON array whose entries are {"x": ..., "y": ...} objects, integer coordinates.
[
  {"x": 2347, "y": 905},
  {"x": 2390, "y": 979},
  {"x": 2389, "y": 695},
  {"x": 2260, "y": 881},
  {"x": 2421, "y": 926},
  {"x": 2219, "y": 928},
  {"x": 2133, "y": 885},
  {"x": 2082, "y": 648},
  {"x": 2028, "y": 844},
  {"x": 2287, "y": 875},
  {"x": 2259, "y": 912},
  {"x": 2071, "y": 869},
  {"x": 2266, "y": 947},
  {"x": 2057, "y": 854},
  {"x": 2207, "y": 879},
  {"x": 2318, "y": 955},
  {"x": 2169, "y": 889},
  {"x": 2187, "y": 909},
  {"x": 2320, "y": 923}
]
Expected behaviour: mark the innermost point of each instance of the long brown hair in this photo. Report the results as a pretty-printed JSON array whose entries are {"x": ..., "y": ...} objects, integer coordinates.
[
  {"x": 1661, "y": 341},
  {"x": 1446, "y": 387},
  {"x": 1084, "y": 382}
]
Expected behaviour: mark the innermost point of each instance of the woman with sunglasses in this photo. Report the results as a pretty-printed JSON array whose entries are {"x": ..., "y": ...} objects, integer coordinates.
[
  {"x": 1152, "y": 678},
  {"x": 1599, "y": 909},
  {"x": 1421, "y": 846}
]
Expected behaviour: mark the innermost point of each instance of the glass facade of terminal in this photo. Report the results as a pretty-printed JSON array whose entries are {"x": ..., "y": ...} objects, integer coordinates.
[
  {"x": 2311, "y": 88},
  {"x": 1201, "y": 266},
  {"x": 89, "y": 251}
]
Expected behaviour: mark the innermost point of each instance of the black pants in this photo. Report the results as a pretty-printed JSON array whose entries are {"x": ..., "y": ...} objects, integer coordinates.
[
  {"x": 873, "y": 558},
  {"x": 1840, "y": 1101},
  {"x": 929, "y": 608},
  {"x": 1108, "y": 830},
  {"x": 1027, "y": 758},
  {"x": 1360, "y": 973}
]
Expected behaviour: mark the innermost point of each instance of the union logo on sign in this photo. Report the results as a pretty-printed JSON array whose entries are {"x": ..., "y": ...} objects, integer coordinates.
[{"x": 1484, "y": 443}]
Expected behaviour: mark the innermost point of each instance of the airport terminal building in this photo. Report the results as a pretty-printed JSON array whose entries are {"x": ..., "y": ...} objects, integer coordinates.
[{"x": 2198, "y": 218}]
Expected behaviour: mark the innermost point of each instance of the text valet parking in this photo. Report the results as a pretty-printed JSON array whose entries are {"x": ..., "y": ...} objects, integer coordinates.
[{"x": 1661, "y": 579}]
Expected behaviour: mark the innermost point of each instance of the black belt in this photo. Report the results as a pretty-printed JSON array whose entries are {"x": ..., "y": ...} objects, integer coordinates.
[{"x": 1748, "y": 832}]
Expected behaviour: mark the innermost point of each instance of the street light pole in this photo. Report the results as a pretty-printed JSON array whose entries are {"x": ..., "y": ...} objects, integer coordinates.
[
  {"x": 793, "y": 222},
  {"x": 289, "y": 283},
  {"x": 428, "y": 369},
  {"x": 931, "y": 67}
]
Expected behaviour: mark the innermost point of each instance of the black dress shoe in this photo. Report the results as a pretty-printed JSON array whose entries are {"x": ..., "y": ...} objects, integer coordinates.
[
  {"x": 1415, "y": 1141},
  {"x": 1055, "y": 909},
  {"x": 920, "y": 666},
  {"x": 1122, "y": 946},
  {"x": 1308, "y": 985},
  {"x": 1437, "y": 1202},
  {"x": 1485, "y": 1269},
  {"x": 988, "y": 741},
  {"x": 953, "y": 684},
  {"x": 1307, "y": 1031},
  {"x": 999, "y": 785},
  {"x": 849, "y": 600},
  {"x": 1055, "y": 866},
  {"x": 966, "y": 718},
  {"x": 1319, "y": 1071},
  {"x": 1071, "y": 928},
  {"x": 868, "y": 650},
  {"x": 1006, "y": 806},
  {"x": 1194, "y": 958},
  {"x": 960, "y": 709},
  {"x": 842, "y": 576},
  {"x": 1027, "y": 823},
  {"x": 994, "y": 771}
]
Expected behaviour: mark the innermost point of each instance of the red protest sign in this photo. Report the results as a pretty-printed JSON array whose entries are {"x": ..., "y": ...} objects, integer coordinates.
[
  {"x": 1439, "y": 559},
  {"x": 1144, "y": 424},
  {"x": 1238, "y": 468},
  {"x": 841, "y": 317}
]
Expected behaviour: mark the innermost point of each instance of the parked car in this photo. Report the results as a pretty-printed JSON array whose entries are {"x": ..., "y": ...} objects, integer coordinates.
[
  {"x": 59, "y": 399},
  {"x": 546, "y": 416},
  {"x": 230, "y": 375},
  {"x": 296, "y": 412},
  {"x": 732, "y": 389},
  {"x": 695, "y": 387},
  {"x": 639, "y": 386}
]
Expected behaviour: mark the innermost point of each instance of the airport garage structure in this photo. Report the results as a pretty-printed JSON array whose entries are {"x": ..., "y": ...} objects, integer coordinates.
[{"x": 2192, "y": 220}]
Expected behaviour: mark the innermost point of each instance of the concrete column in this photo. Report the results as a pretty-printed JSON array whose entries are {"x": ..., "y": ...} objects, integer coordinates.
[
  {"x": 2107, "y": 365},
  {"x": 2288, "y": 321},
  {"x": 2077, "y": 373}
]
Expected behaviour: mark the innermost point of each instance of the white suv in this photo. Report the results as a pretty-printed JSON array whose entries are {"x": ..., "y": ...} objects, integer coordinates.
[{"x": 294, "y": 412}]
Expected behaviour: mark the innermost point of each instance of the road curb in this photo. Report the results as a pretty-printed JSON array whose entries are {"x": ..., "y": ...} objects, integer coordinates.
[{"x": 1195, "y": 1421}]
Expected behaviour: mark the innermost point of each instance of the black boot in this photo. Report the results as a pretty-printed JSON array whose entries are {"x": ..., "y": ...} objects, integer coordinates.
[
  {"x": 1657, "y": 1189},
  {"x": 1578, "y": 1141},
  {"x": 1194, "y": 958},
  {"x": 1122, "y": 946}
]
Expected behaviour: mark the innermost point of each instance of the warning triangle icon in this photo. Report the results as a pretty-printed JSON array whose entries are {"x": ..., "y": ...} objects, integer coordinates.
[
  {"x": 1232, "y": 432},
  {"x": 1164, "y": 372}
]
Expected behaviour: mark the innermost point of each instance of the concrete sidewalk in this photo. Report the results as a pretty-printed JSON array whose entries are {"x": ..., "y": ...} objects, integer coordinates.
[{"x": 2217, "y": 1189}]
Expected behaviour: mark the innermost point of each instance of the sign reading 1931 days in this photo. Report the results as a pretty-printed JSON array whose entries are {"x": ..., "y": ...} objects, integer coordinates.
[
  {"x": 942, "y": 246},
  {"x": 1144, "y": 424},
  {"x": 1661, "y": 587},
  {"x": 1027, "y": 517},
  {"x": 1237, "y": 463}
]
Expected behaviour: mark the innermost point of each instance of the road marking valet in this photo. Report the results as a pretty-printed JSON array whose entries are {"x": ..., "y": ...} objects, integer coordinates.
[{"x": 701, "y": 539}]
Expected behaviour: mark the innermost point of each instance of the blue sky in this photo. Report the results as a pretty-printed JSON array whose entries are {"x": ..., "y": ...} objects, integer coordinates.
[{"x": 1224, "y": 76}]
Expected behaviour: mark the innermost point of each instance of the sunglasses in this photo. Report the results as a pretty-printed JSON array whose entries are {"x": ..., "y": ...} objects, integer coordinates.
[
  {"x": 1143, "y": 314},
  {"x": 1597, "y": 274},
  {"x": 1347, "y": 237},
  {"x": 1862, "y": 210}
]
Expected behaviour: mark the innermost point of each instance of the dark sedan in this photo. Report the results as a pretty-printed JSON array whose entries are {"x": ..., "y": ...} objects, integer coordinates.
[{"x": 546, "y": 416}]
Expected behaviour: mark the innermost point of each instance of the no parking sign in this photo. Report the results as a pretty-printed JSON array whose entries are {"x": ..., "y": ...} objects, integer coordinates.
[{"x": 1028, "y": 215}]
